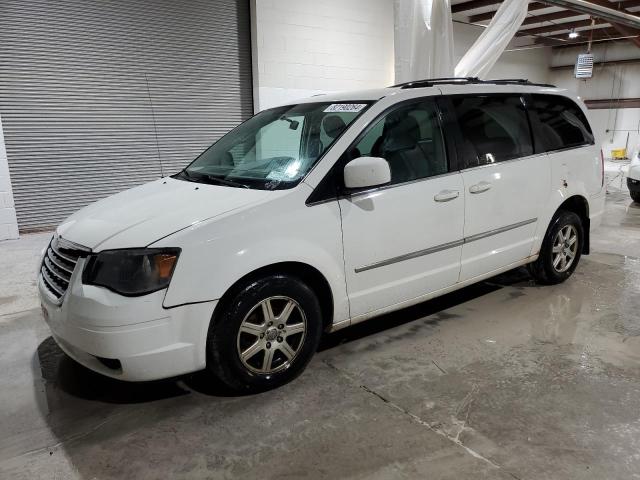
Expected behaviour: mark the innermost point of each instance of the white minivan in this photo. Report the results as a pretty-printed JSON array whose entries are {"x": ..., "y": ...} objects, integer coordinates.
[{"x": 318, "y": 215}]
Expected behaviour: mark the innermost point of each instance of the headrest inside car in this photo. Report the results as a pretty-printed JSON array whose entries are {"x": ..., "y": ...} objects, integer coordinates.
[{"x": 333, "y": 125}]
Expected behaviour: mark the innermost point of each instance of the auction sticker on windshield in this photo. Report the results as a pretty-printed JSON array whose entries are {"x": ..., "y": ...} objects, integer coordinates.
[{"x": 345, "y": 107}]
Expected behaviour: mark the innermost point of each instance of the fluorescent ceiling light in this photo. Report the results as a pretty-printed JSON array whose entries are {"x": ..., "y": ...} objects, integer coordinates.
[{"x": 573, "y": 33}]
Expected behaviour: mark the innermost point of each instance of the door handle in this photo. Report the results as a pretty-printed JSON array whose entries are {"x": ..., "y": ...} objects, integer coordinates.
[
  {"x": 446, "y": 195},
  {"x": 480, "y": 187}
]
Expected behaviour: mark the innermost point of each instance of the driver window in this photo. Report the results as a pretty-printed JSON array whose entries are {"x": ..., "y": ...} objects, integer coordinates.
[{"x": 410, "y": 139}]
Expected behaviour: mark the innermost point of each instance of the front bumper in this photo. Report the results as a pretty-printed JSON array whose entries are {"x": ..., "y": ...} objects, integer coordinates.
[
  {"x": 633, "y": 184},
  {"x": 128, "y": 338}
]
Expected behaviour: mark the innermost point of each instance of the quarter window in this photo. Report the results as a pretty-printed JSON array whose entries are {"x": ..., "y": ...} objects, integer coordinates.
[
  {"x": 562, "y": 122},
  {"x": 410, "y": 139},
  {"x": 494, "y": 128}
]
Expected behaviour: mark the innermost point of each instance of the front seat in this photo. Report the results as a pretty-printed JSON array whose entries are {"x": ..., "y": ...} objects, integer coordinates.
[
  {"x": 398, "y": 145},
  {"x": 333, "y": 126}
]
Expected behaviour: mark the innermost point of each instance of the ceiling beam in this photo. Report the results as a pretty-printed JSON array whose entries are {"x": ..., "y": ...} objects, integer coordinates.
[
  {"x": 549, "y": 17},
  {"x": 612, "y": 103},
  {"x": 623, "y": 29},
  {"x": 627, "y": 32},
  {"x": 598, "y": 8},
  {"x": 571, "y": 10},
  {"x": 609, "y": 41},
  {"x": 557, "y": 15},
  {"x": 559, "y": 27},
  {"x": 562, "y": 40},
  {"x": 596, "y": 34},
  {"x": 626, "y": 4},
  {"x": 633, "y": 61},
  {"x": 472, "y": 5},
  {"x": 481, "y": 17}
]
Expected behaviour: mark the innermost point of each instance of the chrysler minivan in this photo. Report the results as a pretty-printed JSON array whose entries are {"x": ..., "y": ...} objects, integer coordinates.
[{"x": 314, "y": 216}]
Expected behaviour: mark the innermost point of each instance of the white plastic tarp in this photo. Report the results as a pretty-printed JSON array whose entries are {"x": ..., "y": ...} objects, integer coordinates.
[
  {"x": 423, "y": 39},
  {"x": 486, "y": 50}
]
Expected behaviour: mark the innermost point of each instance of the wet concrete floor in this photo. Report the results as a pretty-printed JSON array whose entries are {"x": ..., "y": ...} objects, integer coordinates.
[{"x": 502, "y": 380}]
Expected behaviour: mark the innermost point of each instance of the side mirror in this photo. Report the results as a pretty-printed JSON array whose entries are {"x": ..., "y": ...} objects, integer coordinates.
[{"x": 366, "y": 172}]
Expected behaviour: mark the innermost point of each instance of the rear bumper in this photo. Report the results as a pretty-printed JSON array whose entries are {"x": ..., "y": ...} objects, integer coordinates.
[{"x": 148, "y": 341}]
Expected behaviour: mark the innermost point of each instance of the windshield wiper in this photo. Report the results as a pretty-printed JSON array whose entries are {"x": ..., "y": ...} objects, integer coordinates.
[
  {"x": 187, "y": 176},
  {"x": 223, "y": 181},
  {"x": 212, "y": 179}
]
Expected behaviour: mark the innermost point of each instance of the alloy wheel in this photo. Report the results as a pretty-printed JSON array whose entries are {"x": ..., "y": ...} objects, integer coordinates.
[
  {"x": 271, "y": 335},
  {"x": 565, "y": 248}
]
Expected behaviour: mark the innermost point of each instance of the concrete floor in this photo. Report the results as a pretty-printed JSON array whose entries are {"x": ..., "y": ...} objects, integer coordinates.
[{"x": 502, "y": 380}]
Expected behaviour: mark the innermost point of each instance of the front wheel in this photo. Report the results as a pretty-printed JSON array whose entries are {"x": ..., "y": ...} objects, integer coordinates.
[
  {"x": 561, "y": 249},
  {"x": 635, "y": 196},
  {"x": 265, "y": 334}
]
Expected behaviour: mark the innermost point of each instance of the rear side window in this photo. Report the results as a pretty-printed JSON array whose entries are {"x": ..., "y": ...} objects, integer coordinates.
[
  {"x": 494, "y": 128},
  {"x": 562, "y": 123}
]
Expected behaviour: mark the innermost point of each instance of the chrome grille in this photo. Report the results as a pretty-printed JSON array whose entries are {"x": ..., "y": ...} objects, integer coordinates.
[{"x": 58, "y": 265}]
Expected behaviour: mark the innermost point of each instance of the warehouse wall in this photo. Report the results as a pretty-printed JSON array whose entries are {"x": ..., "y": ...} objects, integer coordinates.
[
  {"x": 305, "y": 47},
  {"x": 531, "y": 64},
  {"x": 8, "y": 221},
  {"x": 616, "y": 128}
]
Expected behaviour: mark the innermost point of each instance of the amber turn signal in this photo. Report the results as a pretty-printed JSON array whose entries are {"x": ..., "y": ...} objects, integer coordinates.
[{"x": 164, "y": 264}]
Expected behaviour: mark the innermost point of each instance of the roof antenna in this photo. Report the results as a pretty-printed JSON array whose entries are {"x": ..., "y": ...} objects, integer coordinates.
[{"x": 155, "y": 128}]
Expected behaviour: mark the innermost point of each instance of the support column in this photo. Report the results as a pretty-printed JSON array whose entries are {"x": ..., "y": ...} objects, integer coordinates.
[{"x": 8, "y": 220}]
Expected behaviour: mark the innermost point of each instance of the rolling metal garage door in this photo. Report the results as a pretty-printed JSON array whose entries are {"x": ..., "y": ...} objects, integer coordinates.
[{"x": 97, "y": 97}]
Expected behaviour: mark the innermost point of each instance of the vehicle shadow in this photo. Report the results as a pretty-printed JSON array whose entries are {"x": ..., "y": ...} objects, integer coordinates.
[
  {"x": 84, "y": 410},
  {"x": 66, "y": 375}
]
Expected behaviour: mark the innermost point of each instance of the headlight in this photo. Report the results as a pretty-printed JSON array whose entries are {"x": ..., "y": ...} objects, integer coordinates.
[{"x": 131, "y": 272}]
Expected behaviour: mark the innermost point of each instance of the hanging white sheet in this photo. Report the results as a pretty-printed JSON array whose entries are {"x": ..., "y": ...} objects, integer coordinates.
[
  {"x": 423, "y": 39},
  {"x": 486, "y": 50}
]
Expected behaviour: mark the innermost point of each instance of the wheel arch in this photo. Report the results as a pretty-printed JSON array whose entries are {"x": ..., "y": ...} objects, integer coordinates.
[
  {"x": 580, "y": 206},
  {"x": 307, "y": 273}
]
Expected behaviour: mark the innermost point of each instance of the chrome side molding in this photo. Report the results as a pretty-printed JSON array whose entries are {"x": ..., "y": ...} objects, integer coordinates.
[
  {"x": 480, "y": 236},
  {"x": 444, "y": 246},
  {"x": 407, "y": 256}
]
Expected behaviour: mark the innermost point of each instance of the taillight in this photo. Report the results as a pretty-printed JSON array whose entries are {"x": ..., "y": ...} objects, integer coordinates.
[{"x": 601, "y": 168}]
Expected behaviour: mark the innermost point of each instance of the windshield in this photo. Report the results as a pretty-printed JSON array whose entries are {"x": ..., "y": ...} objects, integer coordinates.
[{"x": 274, "y": 149}]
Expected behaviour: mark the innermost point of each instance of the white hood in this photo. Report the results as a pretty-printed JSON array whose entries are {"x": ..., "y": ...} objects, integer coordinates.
[{"x": 140, "y": 216}]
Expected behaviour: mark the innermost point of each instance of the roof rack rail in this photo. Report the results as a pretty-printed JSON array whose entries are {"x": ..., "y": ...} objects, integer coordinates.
[{"x": 430, "y": 82}]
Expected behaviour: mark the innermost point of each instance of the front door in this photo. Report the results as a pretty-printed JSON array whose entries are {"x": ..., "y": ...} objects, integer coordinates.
[{"x": 403, "y": 240}]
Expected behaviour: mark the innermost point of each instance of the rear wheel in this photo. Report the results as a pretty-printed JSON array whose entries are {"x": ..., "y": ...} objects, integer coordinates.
[
  {"x": 561, "y": 249},
  {"x": 635, "y": 196},
  {"x": 265, "y": 335}
]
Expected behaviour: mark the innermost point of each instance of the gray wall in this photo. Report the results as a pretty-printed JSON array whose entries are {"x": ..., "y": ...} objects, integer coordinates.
[{"x": 97, "y": 97}]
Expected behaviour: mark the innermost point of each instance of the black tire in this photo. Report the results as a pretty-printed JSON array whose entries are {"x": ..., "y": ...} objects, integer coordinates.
[
  {"x": 244, "y": 307},
  {"x": 635, "y": 196},
  {"x": 543, "y": 269}
]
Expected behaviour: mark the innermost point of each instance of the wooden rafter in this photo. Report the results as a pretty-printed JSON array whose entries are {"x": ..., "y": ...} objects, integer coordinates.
[
  {"x": 548, "y": 17},
  {"x": 562, "y": 40},
  {"x": 481, "y": 17},
  {"x": 622, "y": 30},
  {"x": 555, "y": 17},
  {"x": 560, "y": 27},
  {"x": 473, "y": 4},
  {"x": 613, "y": 103},
  {"x": 625, "y": 4}
]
